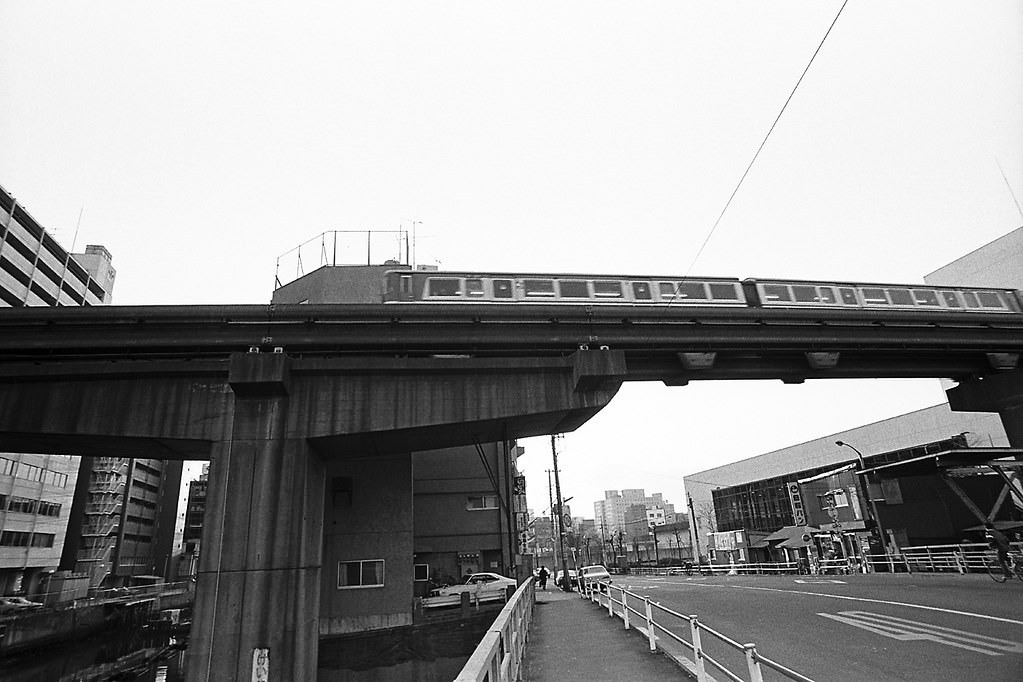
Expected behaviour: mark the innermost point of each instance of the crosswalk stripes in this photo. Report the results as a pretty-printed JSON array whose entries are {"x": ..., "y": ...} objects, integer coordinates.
[{"x": 906, "y": 630}]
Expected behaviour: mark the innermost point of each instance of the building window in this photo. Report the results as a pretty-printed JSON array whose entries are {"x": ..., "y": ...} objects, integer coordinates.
[
  {"x": 479, "y": 502},
  {"x": 42, "y": 539},
  {"x": 30, "y": 472},
  {"x": 7, "y": 466},
  {"x": 366, "y": 573},
  {"x": 421, "y": 572},
  {"x": 14, "y": 538},
  {"x": 23, "y": 505}
]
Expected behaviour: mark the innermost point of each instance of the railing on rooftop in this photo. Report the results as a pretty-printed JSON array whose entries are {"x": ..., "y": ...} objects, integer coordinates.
[{"x": 343, "y": 247}]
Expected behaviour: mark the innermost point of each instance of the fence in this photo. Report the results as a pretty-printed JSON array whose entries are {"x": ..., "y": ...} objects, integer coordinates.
[
  {"x": 498, "y": 657},
  {"x": 959, "y": 558},
  {"x": 665, "y": 629}
]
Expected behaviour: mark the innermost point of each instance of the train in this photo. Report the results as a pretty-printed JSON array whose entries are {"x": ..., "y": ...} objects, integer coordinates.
[{"x": 684, "y": 291}]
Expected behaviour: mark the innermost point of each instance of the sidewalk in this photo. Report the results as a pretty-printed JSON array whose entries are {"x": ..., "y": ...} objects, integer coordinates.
[{"x": 573, "y": 639}]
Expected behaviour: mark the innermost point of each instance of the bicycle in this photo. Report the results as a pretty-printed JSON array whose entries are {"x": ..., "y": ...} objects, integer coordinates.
[{"x": 997, "y": 571}]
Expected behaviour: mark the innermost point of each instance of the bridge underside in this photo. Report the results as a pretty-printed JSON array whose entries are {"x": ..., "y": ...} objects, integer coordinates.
[{"x": 270, "y": 426}]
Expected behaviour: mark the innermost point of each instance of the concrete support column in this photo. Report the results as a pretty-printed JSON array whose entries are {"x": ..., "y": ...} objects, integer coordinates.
[
  {"x": 259, "y": 568},
  {"x": 1001, "y": 393}
]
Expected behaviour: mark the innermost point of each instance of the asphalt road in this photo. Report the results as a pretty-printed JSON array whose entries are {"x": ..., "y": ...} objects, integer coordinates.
[{"x": 858, "y": 627}]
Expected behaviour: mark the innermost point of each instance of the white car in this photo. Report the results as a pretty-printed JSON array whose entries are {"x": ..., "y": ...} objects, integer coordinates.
[
  {"x": 595, "y": 574},
  {"x": 484, "y": 585}
]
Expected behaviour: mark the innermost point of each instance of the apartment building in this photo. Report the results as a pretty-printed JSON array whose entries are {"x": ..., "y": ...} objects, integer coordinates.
[{"x": 36, "y": 491}]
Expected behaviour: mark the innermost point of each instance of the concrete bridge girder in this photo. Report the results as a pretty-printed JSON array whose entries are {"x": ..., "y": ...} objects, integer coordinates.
[{"x": 269, "y": 424}]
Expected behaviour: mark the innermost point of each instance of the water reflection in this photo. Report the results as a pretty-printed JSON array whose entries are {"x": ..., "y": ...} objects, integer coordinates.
[
  {"x": 82, "y": 660},
  {"x": 429, "y": 653}
]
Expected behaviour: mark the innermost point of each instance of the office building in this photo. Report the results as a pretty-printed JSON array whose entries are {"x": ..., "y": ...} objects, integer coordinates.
[{"x": 36, "y": 491}]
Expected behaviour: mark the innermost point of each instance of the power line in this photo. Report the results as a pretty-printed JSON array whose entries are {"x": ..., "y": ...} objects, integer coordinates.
[{"x": 770, "y": 130}]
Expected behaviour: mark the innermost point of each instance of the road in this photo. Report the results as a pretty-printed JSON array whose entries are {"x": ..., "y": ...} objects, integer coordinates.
[{"x": 860, "y": 627}]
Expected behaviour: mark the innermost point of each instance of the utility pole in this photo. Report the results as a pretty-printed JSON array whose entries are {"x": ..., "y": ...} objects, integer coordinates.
[
  {"x": 696, "y": 531},
  {"x": 554, "y": 525},
  {"x": 561, "y": 541}
]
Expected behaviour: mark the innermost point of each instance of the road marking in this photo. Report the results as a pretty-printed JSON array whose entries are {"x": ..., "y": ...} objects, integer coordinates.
[
  {"x": 820, "y": 581},
  {"x": 872, "y": 601},
  {"x": 908, "y": 630}
]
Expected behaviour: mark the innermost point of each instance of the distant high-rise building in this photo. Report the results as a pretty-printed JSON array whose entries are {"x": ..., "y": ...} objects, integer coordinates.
[
  {"x": 36, "y": 491},
  {"x": 612, "y": 513}
]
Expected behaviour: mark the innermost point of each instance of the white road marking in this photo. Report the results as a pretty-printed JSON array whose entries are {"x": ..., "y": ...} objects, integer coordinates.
[
  {"x": 819, "y": 581},
  {"x": 908, "y": 630},
  {"x": 872, "y": 601}
]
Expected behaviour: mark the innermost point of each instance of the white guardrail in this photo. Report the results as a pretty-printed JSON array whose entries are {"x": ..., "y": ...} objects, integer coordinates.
[
  {"x": 498, "y": 657},
  {"x": 666, "y": 630},
  {"x": 960, "y": 558}
]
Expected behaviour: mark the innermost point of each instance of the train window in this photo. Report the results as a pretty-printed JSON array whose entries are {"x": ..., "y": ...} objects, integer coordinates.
[
  {"x": 900, "y": 296},
  {"x": 874, "y": 296},
  {"x": 641, "y": 291},
  {"x": 951, "y": 300},
  {"x": 445, "y": 286},
  {"x": 538, "y": 287},
  {"x": 667, "y": 289},
  {"x": 474, "y": 286},
  {"x": 502, "y": 288},
  {"x": 723, "y": 292},
  {"x": 971, "y": 299},
  {"x": 827, "y": 295},
  {"x": 573, "y": 288},
  {"x": 776, "y": 292},
  {"x": 693, "y": 290},
  {"x": 607, "y": 289},
  {"x": 848, "y": 296},
  {"x": 990, "y": 299},
  {"x": 805, "y": 294},
  {"x": 925, "y": 297}
]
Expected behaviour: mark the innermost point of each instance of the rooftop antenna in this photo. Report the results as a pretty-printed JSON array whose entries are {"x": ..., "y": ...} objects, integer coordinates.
[
  {"x": 79, "y": 223},
  {"x": 1011, "y": 193}
]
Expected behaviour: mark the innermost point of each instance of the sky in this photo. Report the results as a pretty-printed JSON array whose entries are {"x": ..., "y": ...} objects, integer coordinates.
[{"x": 202, "y": 142}]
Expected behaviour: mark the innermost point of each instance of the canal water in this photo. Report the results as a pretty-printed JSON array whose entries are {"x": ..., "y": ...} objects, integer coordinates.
[
  {"x": 82, "y": 660},
  {"x": 427, "y": 653}
]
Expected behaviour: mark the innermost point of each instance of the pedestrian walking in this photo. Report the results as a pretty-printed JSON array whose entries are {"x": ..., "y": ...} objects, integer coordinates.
[{"x": 542, "y": 577}]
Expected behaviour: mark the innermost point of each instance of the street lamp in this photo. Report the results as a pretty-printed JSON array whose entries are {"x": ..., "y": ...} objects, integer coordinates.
[{"x": 875, "y": 516}]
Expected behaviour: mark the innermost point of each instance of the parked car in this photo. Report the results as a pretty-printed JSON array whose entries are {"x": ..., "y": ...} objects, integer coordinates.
[
  {"x": 595, "y": 573},
  {"x": 573, "y": 578},
  {"x": 16, "y": 604},
  {"x": 485, "y": 585}
]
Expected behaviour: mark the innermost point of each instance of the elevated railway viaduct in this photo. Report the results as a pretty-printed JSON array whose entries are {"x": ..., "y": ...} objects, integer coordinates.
[{"x": 275, "y": 395}]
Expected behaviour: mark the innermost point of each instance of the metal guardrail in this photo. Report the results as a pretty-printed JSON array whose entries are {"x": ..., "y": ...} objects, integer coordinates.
[
  {"x": 498, "y": 657},
  {"x": 665, "y": 629},
  {"x": 959, "y": 558}
]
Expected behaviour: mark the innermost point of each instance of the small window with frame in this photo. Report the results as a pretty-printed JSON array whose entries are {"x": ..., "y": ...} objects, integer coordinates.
[
  {"x": 573, "y": 288},
  {"x": 445, "y": 287},
  {"x": 607, "y": 289},
  {"x": 480, "y": 502},
  {"x": 421, "y": 572},
  {"x": 360, "y": 574}
]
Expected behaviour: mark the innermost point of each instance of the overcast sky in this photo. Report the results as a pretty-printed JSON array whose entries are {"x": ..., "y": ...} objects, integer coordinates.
[{"x": 201, "y": 141}]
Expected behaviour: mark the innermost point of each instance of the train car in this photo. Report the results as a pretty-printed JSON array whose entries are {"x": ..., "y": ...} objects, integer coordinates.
[
  {"x": 476, "y": 287},
  {"x": 776, "y": 293}
]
